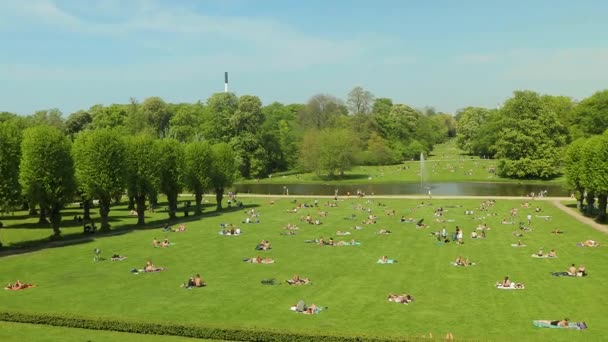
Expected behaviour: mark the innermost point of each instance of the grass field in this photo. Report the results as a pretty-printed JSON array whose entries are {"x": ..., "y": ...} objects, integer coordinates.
[
  {"x": 347, "y": 280},
  {"x": 445, "y": 164}
]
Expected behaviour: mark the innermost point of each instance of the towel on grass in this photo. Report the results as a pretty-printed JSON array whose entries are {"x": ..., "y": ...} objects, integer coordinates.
[
  {"x": 389, "y": 261},
  {"x": 544, "y": 256}
]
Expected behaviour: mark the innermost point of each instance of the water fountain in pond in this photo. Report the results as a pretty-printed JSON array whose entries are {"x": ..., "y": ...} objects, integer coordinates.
[{"x": 424, "y": 176}]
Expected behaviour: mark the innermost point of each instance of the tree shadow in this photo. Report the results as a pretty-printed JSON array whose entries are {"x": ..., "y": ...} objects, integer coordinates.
[
  {"x": 74, "y": 238},
  {"x": 350, "y": 176}
]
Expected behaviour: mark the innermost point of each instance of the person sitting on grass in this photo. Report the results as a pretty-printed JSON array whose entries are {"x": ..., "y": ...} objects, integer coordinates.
[
  {"x": 504, "y": 283},
  {"x": 167, "y": 228},
  {"x": 181, "y": 228},
  {"x": 581, "y": 272},
  {"x": 460, "y": 261},
  {"x": 156, "y": 243},
  {"x": 385, "y": 260},
  {"x": 572, "y": 270},
  {"x": 474, "y": 235},
  {"x": 165, "y": 243},
  {"x": 150, "y": 267},
  {"x": 540, "y": 252},
  {"x": 290, "y": 226},
  {"x": 552, "y": 254},
  {"x": 557, "y": 231},
  {"x": 264, "y": 245},
  {"x": 195, "y": 281}
]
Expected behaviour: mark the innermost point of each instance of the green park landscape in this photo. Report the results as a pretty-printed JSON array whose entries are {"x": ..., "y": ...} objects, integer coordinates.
[{"x": 111, "y": 178}]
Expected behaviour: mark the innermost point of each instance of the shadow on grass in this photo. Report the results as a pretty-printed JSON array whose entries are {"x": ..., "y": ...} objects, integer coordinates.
[
  {"x": 353, "y": 176},
  {"x": 80, "y": 238}
]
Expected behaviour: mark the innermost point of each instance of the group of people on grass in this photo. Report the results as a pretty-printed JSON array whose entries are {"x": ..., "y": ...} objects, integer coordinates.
[
  {"x": 18, "y": 285},
  {"x": 164, "y": 243}
]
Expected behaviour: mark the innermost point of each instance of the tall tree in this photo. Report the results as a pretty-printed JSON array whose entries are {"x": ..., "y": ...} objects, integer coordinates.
[
  {"x": 530, "y": 139},
  {"x": 142, "y": 172},
  {"x": 77, "y": 122},
  {"x": 171, "y": 168},
  {"x": 197, "y": 170},
  {"x": 157, "y": 114},
  {"x": 591, "y": 114},
  {"x": 223, "y": 170},
  {"x": 216, "y": 119},
  {"x": 330, "y": 152},
  {"x": 469, "y": 123},
  {"x": 360, "y": 101},
  {"x": 50, "y": 117},
  {"x": 321, "y": 111},
  {"x": 595, "y": 172},
  {"x": 185, "y": 124},
  {"x": 100, "y": 157},
  {"x": 10, "y": 153},
  {"x": 382, "y": 105},
  {"x": 47, "y": 171},
  {"x": 574, "y": 169}
]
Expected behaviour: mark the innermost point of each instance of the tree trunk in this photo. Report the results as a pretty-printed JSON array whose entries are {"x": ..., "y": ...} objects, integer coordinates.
[
  {"x": 219, "y": 195},
  {"x": 117, "y": 198},
  {"x": 104, "y": 211},
  {"x": 86, "y": 205},
  {"x": 141, "y": 209},
  {"x": 42, "y": 217},
  {"x": 590, "y": 200},
  {"x": 198, "y": 199},
  {"x": 32, "y": 208},
  {"x": 580, "y": 199},
  {"x": 131, "y": 205},
  {"x": 602, "y": 199},
  {"x": 153, "y": 199},
  {"x": 55, "y": 216},
  {"x": 172, "y": 199}
]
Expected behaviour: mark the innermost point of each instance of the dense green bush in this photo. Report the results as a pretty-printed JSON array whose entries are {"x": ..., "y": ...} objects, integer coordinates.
[{"x": 153, "y": 328}]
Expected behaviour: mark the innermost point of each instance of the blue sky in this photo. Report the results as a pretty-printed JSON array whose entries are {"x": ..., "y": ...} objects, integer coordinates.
[{"x": 446, "y": 54}]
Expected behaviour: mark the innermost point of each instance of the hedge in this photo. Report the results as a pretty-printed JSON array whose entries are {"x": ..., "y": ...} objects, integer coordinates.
[{"x": 155, "y": 328}]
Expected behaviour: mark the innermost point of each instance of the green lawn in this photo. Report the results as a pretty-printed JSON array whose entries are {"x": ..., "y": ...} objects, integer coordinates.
[
  {"x": 31, "y": 332},
  {"x": 346, "y": 279},
  {"x": 446, "y": 164}
]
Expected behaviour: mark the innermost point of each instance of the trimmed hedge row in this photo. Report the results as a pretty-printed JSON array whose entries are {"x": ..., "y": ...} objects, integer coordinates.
[{"x": 181, "y": 329}]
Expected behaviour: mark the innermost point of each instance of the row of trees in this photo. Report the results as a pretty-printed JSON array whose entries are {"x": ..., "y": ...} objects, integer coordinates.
[
  {"x": 530, "y": 132},
  {"x": 586, "y": 169},
  {"x": 49, "y": 170},
  {"x": 270, "y": 139}
]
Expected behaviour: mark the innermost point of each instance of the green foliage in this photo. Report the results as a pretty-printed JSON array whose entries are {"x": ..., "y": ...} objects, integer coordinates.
[
  {"x": 47, "y": 170},
  {"x": 100, "y": 157},
  {"x": 185, "y": 123},
  {"x": 470, "y": 121},
  {"x": 216, "y": 119},
  {"x": 330, "y": 151},
  {"x": 591, "y": 115},
  {"x": 573, "y": 165},
  {"x": 10, "y": 153},
  {"x": 378, "y": 152},
  {"x": 50, "y": 117},
  {"x": 109, "y": 117},
  {"x": 77, "y": 122},
  {"x": 531, "y": 138},
  {"x": 156, "y": 113}
]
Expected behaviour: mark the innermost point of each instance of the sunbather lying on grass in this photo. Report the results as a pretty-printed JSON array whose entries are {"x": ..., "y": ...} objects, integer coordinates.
[
  {"x": 403, "y": 298},
  {"x": 297, "y": 280},
  {"x": 563, "y": 323},
  {"x": 259, "y": 260},
  {"x": 117, "y": 257},
  {"x": 588, "y": 243},
  {"x": 18, "y": 285},
  {"x": 301, "y": 307},
  {"x": 385, "y": 260}
]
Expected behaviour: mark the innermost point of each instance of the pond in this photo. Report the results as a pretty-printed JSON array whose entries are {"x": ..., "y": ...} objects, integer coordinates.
[{"x": 445, "y": 189}]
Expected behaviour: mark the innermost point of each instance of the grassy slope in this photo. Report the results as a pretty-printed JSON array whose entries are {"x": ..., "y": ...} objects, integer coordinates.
[
  {"x": 447, "y": 164},
  {"x": 31, "y": 332},
  {"x": 347, "y": 279}
]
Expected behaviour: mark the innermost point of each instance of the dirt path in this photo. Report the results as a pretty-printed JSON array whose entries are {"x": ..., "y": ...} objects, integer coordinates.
[{"x": 574, "y": 213}]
